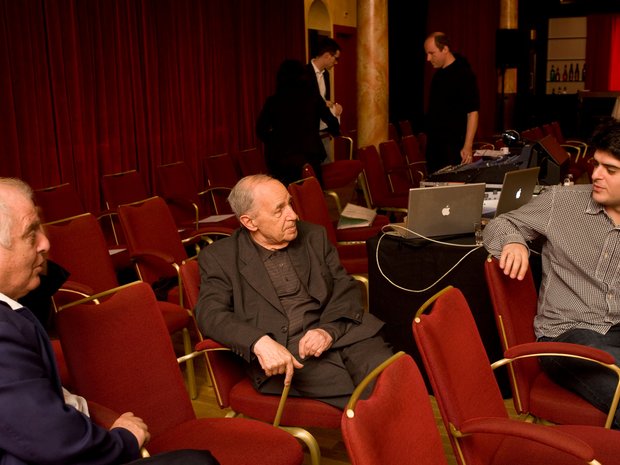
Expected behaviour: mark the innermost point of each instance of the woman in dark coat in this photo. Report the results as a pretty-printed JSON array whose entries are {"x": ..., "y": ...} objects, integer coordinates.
[{"x": 289, "y": 123}]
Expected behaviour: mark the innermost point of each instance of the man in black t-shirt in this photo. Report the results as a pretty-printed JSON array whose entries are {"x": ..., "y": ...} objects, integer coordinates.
[{"x": 454, "y": 101}]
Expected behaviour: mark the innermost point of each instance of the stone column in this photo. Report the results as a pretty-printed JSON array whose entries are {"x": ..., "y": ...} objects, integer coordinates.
[
  {"x": 372, "y": 72},
  {"x": 508, "y": 19}
]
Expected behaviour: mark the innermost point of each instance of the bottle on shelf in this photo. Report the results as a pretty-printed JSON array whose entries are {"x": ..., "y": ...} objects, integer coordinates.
[
  {"x": 577, "y": 73},
  {"x": 565, "y": 74},
  {"x": 552, "y": 74},
  {"x": 583, "y": 72},
  {"x": 571, "y": 73}
]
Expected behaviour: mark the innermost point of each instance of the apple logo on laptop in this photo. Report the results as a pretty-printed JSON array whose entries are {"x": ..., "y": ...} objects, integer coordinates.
[
  {"x": 518, "y": 194},
  {"x": 445, "y": 211}
]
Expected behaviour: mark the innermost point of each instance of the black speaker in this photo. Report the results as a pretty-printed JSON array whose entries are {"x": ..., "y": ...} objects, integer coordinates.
[
  {"x": 510, "y": 48},
  {"x": 552, "y": 159}
]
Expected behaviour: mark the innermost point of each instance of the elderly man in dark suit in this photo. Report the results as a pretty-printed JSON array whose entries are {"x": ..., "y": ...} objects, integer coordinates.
[
  {"x": 40, "y": 422},
  {"x": 276, "y": 294}
]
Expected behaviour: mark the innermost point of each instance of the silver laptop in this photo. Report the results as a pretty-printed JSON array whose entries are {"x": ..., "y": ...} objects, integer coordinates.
[
  {"x": 517, "y": 189},
  {"x": 444, "y": 210}
]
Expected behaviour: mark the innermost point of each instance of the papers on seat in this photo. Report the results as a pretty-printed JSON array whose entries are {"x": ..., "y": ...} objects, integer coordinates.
[
  {"x": 354, "y": 216},
  {"x": 216, "y": 218}
]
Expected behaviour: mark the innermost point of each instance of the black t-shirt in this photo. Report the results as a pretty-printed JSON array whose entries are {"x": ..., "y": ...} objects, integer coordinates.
[{"x": 453, "y": 94}]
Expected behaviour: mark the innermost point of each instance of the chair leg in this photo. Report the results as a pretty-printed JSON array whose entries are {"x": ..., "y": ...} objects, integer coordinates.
[
  {"x": 309, "y": 440},
  {"x": 191, "y": 375}
]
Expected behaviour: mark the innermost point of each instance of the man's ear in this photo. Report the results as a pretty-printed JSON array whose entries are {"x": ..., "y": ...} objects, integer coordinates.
[{"x": 247, "y": 223}]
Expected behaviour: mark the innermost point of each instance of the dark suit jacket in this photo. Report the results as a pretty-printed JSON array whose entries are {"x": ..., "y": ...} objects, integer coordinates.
[
  {"x": 238, "y": 303},
  {"x": 35, "y": 424},
  {"x": 289, "y": 124}
]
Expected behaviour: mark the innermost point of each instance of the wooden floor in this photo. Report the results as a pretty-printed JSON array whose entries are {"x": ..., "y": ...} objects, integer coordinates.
[{"x": 332, "y": 448}]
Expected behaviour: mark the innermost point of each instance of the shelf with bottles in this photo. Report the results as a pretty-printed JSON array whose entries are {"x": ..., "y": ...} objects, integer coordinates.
[
  {"x": 563, "y": 88},
  {"x": 562, "y": 71}
]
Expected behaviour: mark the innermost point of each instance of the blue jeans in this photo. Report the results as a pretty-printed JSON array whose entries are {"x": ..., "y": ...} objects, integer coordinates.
[{"x": 594, "y": 383}]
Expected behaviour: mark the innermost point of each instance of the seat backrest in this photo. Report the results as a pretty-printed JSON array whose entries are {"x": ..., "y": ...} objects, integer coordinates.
[
  {"x": 104, "y": 346},
  {"x": 395, "y": 425},
  {"x": 374, "y": 174},
  {"x": 221, "y": 172},
  {"x": 422, "y": 141},
  {"x": 533, "y": 134},
  {"x": 458, "y": 369},
  {"x": 557, "y": 132},
  {"x": 190, "y": 277},
  {"x": 58, "y": 202},
  {"x": 125, "y": 187},
  {"x": 177, "y": 185},
  {"x": 251, "y": 161},
  {"x": 309, "y": 203},
  {"x": 395, "y": 166},
  {"x": 149, "y": 226},
  {"x": 393, "y": 132},
  {"x": 343, "y": 148},
  {"x": 225, "y": 367},
  {"x": 405, "y": 128},
  {"x": 514, "y": 305},
  {"x": 78, "y": 245},
  {"x": 411, "y": 149}
]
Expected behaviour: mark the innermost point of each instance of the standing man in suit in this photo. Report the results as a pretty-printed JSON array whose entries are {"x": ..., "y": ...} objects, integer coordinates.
[
  {"x": 325, "y": 58},
  {"x": 276, "y": 294},
  {"x": 40, "y": 422}
]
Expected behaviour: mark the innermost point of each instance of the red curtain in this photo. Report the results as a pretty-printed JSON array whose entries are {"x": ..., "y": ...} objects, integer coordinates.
[
  {"x": 597, "y": 52},
  {"x": 614, "y": 53},
  {"x": 101, "y": 86},
  {"x": 467, "y": 25},
  {"x": 602, "y": 52}
]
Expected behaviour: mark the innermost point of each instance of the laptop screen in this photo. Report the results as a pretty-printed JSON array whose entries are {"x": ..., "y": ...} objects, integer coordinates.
[{"x": 445, "y": 210}]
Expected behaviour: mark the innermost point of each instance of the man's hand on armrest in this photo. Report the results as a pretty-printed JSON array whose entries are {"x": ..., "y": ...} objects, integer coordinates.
[
  {"x": 275, "y": 359},
  {"x": 514, "y": 260},
  {"x": 135, "y": 426}
]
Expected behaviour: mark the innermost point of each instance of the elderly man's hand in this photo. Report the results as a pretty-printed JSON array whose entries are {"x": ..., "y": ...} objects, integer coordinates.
[
  {"x": 275, "y": 359},
  {"x": 314, "y": 343},
  {"x": 514, "y": 260},
  {"x": 135, "y": 425}
]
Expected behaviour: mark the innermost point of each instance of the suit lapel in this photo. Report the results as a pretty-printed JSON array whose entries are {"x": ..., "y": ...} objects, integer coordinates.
[{"x": 254, "y": 272}]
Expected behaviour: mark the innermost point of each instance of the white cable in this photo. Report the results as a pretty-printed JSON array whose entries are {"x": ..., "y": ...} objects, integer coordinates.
[{"x": 474, "y": 247}]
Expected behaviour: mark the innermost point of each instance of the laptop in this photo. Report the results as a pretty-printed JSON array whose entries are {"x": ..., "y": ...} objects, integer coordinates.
[
  {"x": 517, "y": 190},
  {"x": 444, "y": 211}
]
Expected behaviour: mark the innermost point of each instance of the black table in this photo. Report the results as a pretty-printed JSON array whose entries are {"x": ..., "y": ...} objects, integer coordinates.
[{"x": 416, "y": 264}]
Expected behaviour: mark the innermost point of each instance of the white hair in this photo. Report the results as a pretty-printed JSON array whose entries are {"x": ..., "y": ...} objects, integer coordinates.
[{"x": 6, "y": 218}]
